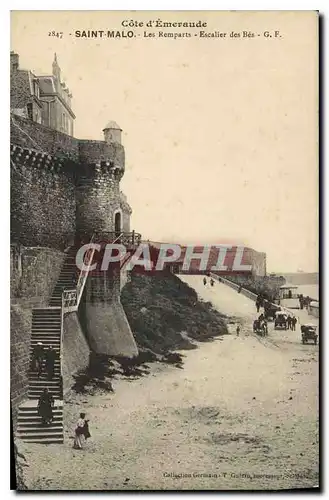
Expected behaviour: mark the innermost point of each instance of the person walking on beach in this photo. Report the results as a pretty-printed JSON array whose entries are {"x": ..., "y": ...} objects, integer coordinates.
[
  {"x": 204, "y": 281},
  {"x": 238, "y": 330},
  {"x": 81, "y": 432}
]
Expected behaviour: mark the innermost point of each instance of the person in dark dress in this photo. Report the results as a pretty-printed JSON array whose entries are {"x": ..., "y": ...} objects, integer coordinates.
[
  {"x": 38, "y": 358},
  {"x": 45, "y": 406},
  {"x": 51, "y": 356}
]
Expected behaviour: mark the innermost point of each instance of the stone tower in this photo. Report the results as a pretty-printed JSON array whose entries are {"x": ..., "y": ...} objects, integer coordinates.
[
  {"x": 99, "y": 214},
  {"x": 98, "y": 194},
  {"x": 112, "y": 133}
]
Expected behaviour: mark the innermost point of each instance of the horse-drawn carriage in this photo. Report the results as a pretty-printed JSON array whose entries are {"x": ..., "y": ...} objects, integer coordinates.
[
  {"x": 309, "y": 333},
  {"x": 270, "y": 310},
  {"x": 281, "y": 320},
  {"x": 260, "y": 327}
]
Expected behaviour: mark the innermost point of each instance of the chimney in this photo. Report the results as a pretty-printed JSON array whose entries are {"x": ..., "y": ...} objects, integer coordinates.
[{"x": 14, "y": 61}]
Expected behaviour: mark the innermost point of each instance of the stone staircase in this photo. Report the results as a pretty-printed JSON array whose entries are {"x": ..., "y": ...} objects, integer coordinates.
[
  {"x": 30, "y": 428},
  {"x": 67, "y": 279},
  {"x": 46, "y": 328}
]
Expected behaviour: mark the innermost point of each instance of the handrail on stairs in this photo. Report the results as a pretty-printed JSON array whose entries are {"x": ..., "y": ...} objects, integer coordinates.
[{"x": 71, "y": 297}]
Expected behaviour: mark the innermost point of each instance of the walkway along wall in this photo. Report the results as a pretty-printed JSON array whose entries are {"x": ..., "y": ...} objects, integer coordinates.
[{"x": 243, "y": 291}]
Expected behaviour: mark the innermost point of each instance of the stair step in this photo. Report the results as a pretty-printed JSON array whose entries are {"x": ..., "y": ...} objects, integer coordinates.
[
  {"x": 52, "y": 389},
  {"x": 46, "y": 334},
  {"x": 56, "y": 378},
  {"x": 46, "y": 327},
  {"x": 46, "y": 441},
  {"x": 33, "y": 411},
  {"x": 36, "y": 395},
  {"x": 45, "y": 310},
  {"x": 45, "y": 337},
  {"x": 31, "y": 408},
  {"x": 52, "y": 385},
  {"x": 47, "y": 340},
  {"x": 47, "y": 322},
  {"x": 49, "y": 328},
  {"x": 35, "y": 421},
  {"x": 41, "y": 429},
  {"x": 43, "y": 437}
]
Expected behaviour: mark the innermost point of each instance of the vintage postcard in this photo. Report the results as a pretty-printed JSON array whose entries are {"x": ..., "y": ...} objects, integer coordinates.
[{"x": 164, "y": 250}]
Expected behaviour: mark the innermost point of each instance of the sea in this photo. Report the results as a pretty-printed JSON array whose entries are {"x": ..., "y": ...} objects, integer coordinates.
[{"x": 310, "y": 290}]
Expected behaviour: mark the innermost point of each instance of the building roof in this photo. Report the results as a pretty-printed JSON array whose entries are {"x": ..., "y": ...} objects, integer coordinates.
[
  {"x": 47, "y": 85},
  {"x": 112, "y": 125},
  {"x": 287, "y": 286}
]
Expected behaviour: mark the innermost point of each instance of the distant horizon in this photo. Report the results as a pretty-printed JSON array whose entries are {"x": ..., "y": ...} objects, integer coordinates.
[{"x": 233, "y": 243}]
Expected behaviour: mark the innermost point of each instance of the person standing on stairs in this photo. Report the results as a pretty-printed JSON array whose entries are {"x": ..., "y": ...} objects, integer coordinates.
[
  {"x": 45, "y": 406},
  {"x": 51, "y": 356},
  {"x": 37, "y": 358}
]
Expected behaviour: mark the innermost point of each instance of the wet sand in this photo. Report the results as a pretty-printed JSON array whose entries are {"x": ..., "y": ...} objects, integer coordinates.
[{"x": 241, "y": 414}]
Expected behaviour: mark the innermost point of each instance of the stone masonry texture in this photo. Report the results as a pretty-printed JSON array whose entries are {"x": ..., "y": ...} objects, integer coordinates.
[
  {"x": 61, "y": 186},
  {"x": 75, "y": 349},
  {"x": 20, "y": 331},
  {"x": 34, "y": 272}
]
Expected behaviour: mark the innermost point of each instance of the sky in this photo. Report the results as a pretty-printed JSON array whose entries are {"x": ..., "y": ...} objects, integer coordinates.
[{"x": 220, "y": 134}]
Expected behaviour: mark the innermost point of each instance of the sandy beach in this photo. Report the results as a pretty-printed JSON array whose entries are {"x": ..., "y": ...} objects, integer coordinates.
[{"x": 241, "y": 414}]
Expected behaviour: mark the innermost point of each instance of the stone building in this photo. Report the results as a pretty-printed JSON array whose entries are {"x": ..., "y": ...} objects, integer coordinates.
[
  {"x": 65, "y": 192},
  {"x": 43, "y": 99}
]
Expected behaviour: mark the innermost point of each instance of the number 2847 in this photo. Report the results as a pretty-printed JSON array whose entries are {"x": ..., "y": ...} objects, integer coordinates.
[{"x": 59, "y": 34}]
